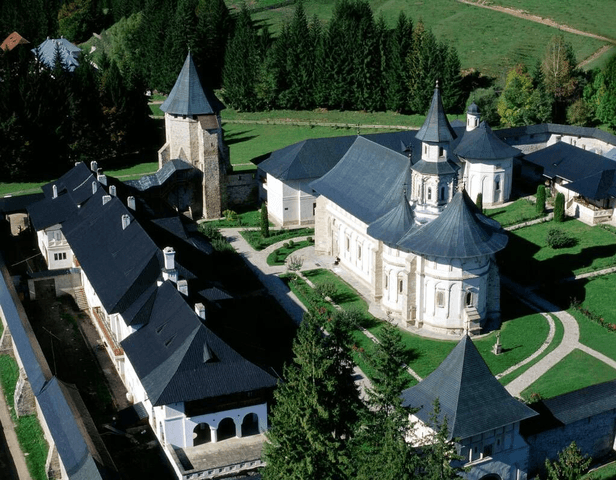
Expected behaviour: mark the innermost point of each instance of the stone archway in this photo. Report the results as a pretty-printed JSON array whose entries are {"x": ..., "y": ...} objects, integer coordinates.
[
  {"x": 250, "y": 425},
  {"x": 226, "y": 429},
  {"x": 202, "y": 434}
]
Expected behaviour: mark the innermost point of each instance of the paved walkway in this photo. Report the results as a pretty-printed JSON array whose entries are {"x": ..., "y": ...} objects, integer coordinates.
[{"x": 257, "y": 260}]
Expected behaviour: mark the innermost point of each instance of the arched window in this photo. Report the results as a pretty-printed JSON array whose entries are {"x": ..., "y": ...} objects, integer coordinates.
[
  {"x": 202, "y": 434},
  {"x": 497, "y": 183},
  {"x": 250, "y": 425},
  {"x": 468, "y": 299},
  {"x": 400, "y": 285},
  {"x": 440, "y": 298},
  {"x": 226, "y": 429}
]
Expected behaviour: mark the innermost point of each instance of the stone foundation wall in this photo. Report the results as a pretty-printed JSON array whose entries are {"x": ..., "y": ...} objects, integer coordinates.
[{"x": 241, "y": 188}]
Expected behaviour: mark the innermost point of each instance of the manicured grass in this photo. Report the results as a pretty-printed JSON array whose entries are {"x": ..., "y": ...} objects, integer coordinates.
[
  {"x": 155, "y": 110},
  {"x": 249, "y": 141},
  {"x": 33, "y": 443},
  {"x": 498, "y": 42},
  {"x": 248, "y": 218},
  {"x": 9, "y": 373},
  {"x": 570, "y": 374},
  {"x": 256, "y": 241},
  {"x": 597, "y": 291},
  {"x": 528, "y": 252},
  {"x": 522, "y": 210},
  {"x": 158, "y": 97},
  {"x": 20, "y": 188},
  {"x": 597, "y": 16},
  {"x": 595, "y": 336},
  {"x": 558, "y": 338},
  {"x": 606, "y": 472},
  {"x": 279, "y": 256},
  {"x": 134, "y": 171}
]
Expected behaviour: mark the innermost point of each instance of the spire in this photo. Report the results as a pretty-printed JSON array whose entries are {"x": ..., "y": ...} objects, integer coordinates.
[
  {"x": 436, "y": 128},
  {"x": 188, "y": 97}
]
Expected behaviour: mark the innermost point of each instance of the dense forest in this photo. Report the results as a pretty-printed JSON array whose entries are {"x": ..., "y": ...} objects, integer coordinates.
[{"x": 353, "y": 62}]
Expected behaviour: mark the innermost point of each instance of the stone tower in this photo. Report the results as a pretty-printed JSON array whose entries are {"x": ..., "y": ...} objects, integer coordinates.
[
  {"x": 435, "y": 174},
  {"x": 194, "y": 134}
]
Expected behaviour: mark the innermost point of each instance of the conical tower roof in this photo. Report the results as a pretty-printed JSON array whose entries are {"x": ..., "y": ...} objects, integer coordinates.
[
  {"x": 469, "y": 395},
  {"x": 394, "y": 224},
  {"x": 461, "y": 231},
  {"x": 482, "y": 144},
  {"x": 188, "y": 97},
  {"x": 436, "y": 128}
]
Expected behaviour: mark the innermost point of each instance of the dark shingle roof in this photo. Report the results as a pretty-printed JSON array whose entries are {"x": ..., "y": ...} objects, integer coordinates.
[
  {"x": 435, "y": 168},
  {"x": 69, "y": 53},
  {"x": 119, "y": 263},
  {"x": 367, "y": 181},
  {"x": 178, "y": 359},
  {"x": 569, "y": 162},
  {"x": 470, "y": 396},
  {"x": 584, "y": 403},
  {"x": 170, "y": 169},
  {"x": 611, "y": 154},
  {"x": 460, "y": 231},
  {"x": 394, "y": 224},
  {"x": 473, "y": 109},
  {"x": 436, "y": 128},
  {"x": 598, "y": 186},
  {"x": 481, "y": 144},
  {"x": 19, "y": 203},
  {"x": 188, "y": 97},
  {"x": 557, "y": 129}
]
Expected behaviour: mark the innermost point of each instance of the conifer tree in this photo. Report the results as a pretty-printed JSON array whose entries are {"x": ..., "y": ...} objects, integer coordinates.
[
  {"x": 264, "y": 221},
  {"x": 559, "y": 208},
  {"x": 540, "y": 204},
  {"x": 397, "y": 73},
  {"x": 213, "y": 30},
  {"x": 479, "y": 201}
]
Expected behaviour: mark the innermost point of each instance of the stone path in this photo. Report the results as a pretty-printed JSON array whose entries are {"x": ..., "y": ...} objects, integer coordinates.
[
  {"x": 257, "y": 260},
  {"x": 605, "y": 271}
]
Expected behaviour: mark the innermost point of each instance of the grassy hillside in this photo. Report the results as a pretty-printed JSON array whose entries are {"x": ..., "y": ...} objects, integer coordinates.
[{"x": 487, "y": 40}]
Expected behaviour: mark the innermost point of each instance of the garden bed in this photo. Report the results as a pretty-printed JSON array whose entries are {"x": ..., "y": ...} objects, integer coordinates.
[{"x": 258, "y": 242}]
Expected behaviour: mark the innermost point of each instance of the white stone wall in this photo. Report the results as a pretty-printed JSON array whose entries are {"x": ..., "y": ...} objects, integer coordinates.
[
  {"x": 485, "y": 177},
  {"x": 398, "y": 283},
  {"x": 54, "y": 247}
]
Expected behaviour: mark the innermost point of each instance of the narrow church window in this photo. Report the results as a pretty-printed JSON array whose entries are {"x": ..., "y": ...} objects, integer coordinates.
[
  {"x": 442, "y": 193},
  {"x": 429, "y": 193},
  {"x": 440, "y": 151},
  {"x": 440, "y": 298},
  {"x": 386, "y": 281},
  {"x": 400, "y": 285},
  {"x": 314, "y": 209},
  {"x": 497, "y": 183},
  {"x": 425, "y": 149},
  {"x": 358, "y": 252},
  {"x": 469, "y": 299},
  {"x": 348, "y": 244}
]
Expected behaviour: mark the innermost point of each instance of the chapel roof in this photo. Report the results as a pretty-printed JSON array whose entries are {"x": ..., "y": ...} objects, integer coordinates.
[
  {"x": 367, "y": 181},
  {"x": 69, "y": 53},
  {"x": 436, "y": 127},
  {"x": 473, "y": 109},
  {"x": 178, "y": 359},
  {"x": 188, "y": 97},
  {"x": 460, "y": 231},
  {"x": 394, "y": 224},
  {"x": 481, "y": 144},
  {"x": 470, "y": 396},
  {"x": 569, "y": 162}
]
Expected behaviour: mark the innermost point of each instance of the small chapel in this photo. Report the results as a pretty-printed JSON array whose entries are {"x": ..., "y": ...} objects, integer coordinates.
[{"x": 408, "y": 229}]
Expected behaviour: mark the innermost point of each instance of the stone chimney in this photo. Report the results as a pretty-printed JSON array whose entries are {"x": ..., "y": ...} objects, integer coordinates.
[
  {"x": 112, "y": 191},
  {"x": 101, "y": 177},
  {"x": 183, "y": 287},
  {"x": 106, "y": 199},
  {"x": 125, "y": 221},
  {"x": 94, "y": 186},
  {"x": 169, "y": 271},
  {"x": 54, "y": 191},
  {"x": 94, "y": 166},
  {"x": 200, "y": 310},
  {"x": 130, "y": 203}
]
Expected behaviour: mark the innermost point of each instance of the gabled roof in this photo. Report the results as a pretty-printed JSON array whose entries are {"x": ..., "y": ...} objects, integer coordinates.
[
  {"x": 569, "y": 162},
  {"x": 188, "y": 97},
  {"x": 598, "y": 186},
  {"x": 19, "y": 203},
  {"x": 119, "y": 263},
  {"x": 173, "y": 168},
  {"x": 481, "y": 144},
  {"x": 12, "y": 41},
  {"x": 178, "y": 359},
  {"x": 69, "y": 53},
  {"x": 556, "y": 129},
  {"x": 367, "y": 181},
  {"x": 460, "y": 231},
  {"x": 470, "y": 396},
  {"x": 394, "y": 224},
  {"x": 436, "y": 127},
  {"x": 314, "y": 157}
]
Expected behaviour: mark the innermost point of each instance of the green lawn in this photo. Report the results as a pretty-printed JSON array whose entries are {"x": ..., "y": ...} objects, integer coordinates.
[
  {"x": 528, "y": 252},
  {"x": 498, "y": 41},
  {"x": 519, "y": 211},
  {"x": 595, "y": 16},
  {"x": 20, "y": 188},
  {"x": 570, "y": 374},
  {"x": 595, "y": 336},
  {"x": 134, "y": 171},
  {"x": 606, "y": 472},
  {"x": 256, "y": 240},
  {"x": 247, "y": 218},
  {"x": 279, "y": 256}
]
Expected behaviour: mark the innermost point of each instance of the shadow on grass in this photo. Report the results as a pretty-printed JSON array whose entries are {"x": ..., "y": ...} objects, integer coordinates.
[{"x": 238, "y": 137}]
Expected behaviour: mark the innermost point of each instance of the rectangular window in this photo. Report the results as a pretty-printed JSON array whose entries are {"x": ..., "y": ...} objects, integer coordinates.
[
  {"x": 386, "y": 281},
  {"x": 400, "y": 285},
  {"x": 314, "y": 209},
  {"x": 348, "y": 244},
  {"x": 358, "y": 252},
  {"x": 59, "y": 256},
  {"x": 440, "y": 298},
  {"x": 440, "y": 151}
]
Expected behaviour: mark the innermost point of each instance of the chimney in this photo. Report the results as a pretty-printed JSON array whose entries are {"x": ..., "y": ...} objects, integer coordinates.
[
  {"x": 125, "y": 221},
  {"x": 130, "y": 203},
  {"x": 94, "y": 186},
  {"x": 183, "y": 287},
  {"x": 112, "y": 191},
  {"x": 54, "y": 191},
  {"x": 200, "y": 310},
  {"x": 169, "y": 258},
  {"x": 106, "y": 199},
  {"x": 102, "y": 178},
  {"x": 94, "y": 165}
]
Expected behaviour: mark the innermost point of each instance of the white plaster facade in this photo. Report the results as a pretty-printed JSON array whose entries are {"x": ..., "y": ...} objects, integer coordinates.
[
  {"x": 55, "y": 249},
  {"x": 292, "y": 202}
]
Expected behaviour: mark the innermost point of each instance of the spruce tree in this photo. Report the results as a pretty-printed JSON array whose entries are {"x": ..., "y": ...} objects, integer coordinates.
[
  {"x": 559, "y": 208},
  {"x": 213, "y": 29},
  {"x": 397, "y": 73},
  {"x": 264, "y": 221},
  {"x": 479, "y": 201},
  {"x": 540, "y": 203}
]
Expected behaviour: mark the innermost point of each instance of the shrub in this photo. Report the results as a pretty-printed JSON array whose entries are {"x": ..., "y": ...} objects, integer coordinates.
[
  {"x": 559, "y": 208},
  {"x": 285, "y": 245},
  {"x": 540, "y": 204},
  {"x": 310, "y": 240},
  {"x": 326, "y": 289},
  {"x": 291, "y": 243},
  {"x": 557, "y": 238},
  {"x": 230, "y": 215}
]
